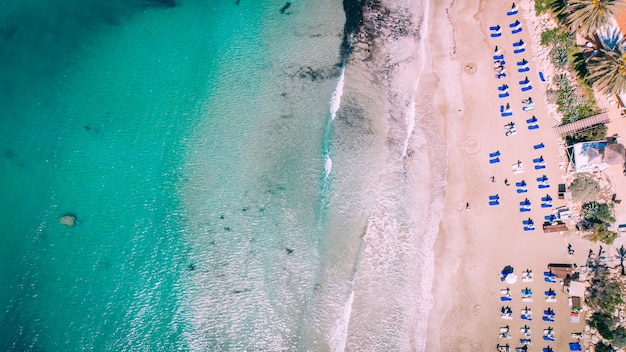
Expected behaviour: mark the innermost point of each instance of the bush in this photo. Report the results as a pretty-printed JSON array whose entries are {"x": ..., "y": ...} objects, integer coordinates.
[
  {"x": 602, "y": 234},
  {"x": 601, "y": 347},
  {"x": 604, "y": 323},
  {"x": 584, "y": 189},
  {"x": 553, "y": 36},
  {"x": 597, "y": 213},
  {"x": 596, "y": 133},
  {"x": 619, "y": 337}
]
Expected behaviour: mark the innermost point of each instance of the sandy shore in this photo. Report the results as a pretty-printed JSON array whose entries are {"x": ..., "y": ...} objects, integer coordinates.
[{"x": 474, "y": 245}]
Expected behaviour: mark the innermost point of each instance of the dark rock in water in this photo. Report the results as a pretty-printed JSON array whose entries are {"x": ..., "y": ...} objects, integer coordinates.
[
  {"x": 87, "y": 128},
  {"x": 222, "y": 217},
  {"x": 285, "y": 7},
  {"x": 191, "y": 267},
  {"x": 354, "y": 20},
  {"x": 289, "y": 250},
  {"x": 244, "y": 209},
  {"x": 68, "y": 220},
  {"x": 237, "y": 2},
  {"x": 227, "y": 228},
  {"x": 9, "y": 154},
  {"x": 241, "y": 291}
]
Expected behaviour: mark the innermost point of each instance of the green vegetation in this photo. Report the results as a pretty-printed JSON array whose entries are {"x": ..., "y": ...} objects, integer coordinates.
[
  {"x": 597, "y": 213},
  {"x": 584, "y": 188},
  {"x": 587, "y": 16},
  {"x": 602, "y": 234},
  {"x": 608, "y": 69},
  {"x": 605, "y": 296},
  {"x": 601, "y": 347}
]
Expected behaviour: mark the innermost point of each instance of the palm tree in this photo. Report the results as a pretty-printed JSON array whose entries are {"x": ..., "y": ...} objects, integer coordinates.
[
  {"x": 587, "y": 16},
  {"x": 607, "y": 70},
  {"x": 621, "y": 255}
]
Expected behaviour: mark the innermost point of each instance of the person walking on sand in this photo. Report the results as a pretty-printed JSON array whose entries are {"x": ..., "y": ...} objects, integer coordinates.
[
  {"x": 506, "y": 182},
  {"x": 493, "y": 179},
  {"x": 467, "y": 206}
]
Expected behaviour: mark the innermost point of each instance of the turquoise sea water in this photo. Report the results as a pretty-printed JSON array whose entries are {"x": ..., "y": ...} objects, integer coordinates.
[{"x": 189, "y": 143}]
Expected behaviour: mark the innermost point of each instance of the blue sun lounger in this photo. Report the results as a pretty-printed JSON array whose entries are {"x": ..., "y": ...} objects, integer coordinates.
[
  {"x": 542, "y": 178},
  {"x": 518, "y": 43},
  {"x": 524, "y": 210},
  {"x": 503, "y": 95},
  {"x": 519, "y": 51},
  {"x": 525, "y": 202},
  {"x": 498, "y": 57},
  {"x": 548, "y": 318},
  {"x": 533, "y": 126},
  {"x": 501, "y": 75},
  {"x": 522, "y": 183},
  {"x": 551, "y": 279},
  {"x": 494, "y": 197},
  {"x": 544, "y": 186},
  {"x": 547, "y": 198},
  {"x": 524, "y": 81},
  {"x": 496, "y": 34},
  {"x": 524, "y": 62},
  {"x": 532, "y": 119},
  {"x": 540, "y": 167},
  {"x": 512, "y": 11},
  {"x": 494, "y": 161},
  {"x": 548, "y": 338},
  {"x": 516, "y": 30},
  {"x": 505, "y": 298},
  {"x": 527, "y": 88},
  {"x": 550, "y": 218},
  {"x": 493, "y": 203},
  {"x": 494, "y": 154},
  {"x": 523, "y": 69},
  {"x": 503, "y": 87},
  {"x": 495, "y": 28},
  {"x": 546, "y": 205},
  {"x": 538, "y": 160},
  {"x": 515, "y": 24},
  {"x": 547, "y": 349},
  {"x": 528, "y": 222},
  {"x": 575, "y": 346},
  {"x": 529, "y": 228},
  {"x": 522, "y": 190},
  {"x": 543, "y": 79},
  {"x": 538, "y": 146},
  {"x": 506, "y": 114}
]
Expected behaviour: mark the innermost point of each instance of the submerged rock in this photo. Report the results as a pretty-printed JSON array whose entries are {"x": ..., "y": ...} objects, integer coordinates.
[{"x": 68, "y": 220}]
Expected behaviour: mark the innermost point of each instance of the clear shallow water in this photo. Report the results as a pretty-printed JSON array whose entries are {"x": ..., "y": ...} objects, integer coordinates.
[{"x": 192, "y": 143}]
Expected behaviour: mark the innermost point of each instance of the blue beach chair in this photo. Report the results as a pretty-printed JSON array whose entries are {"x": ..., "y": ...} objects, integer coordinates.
[
  {"x": 524, "y": 62},
  {"x": 494, "y": 197},
  {"x": 494, "y": 154},
  {"x": 513, "y": 10},
  {"x": 544, "y": 186},
  {"x": 524, "y": 81},
  {"x": 523, "y": 69},
  {"x": 496, "y": 35},
  {"x": 503, "y": 95},
  {"x": 494, "y": 161},
  {"x": 527, "y": 88},
  {"x": 498, "y": 57},
  {"x": 493, "y": 203},
  {"x": 519, "y": 51},
  {"x": 516, "y": 30},
  {"x": 533, "y": 127},
  {"x": 540, "y": 167},
  {"x": 518, "y": 43},
  {"x": 522, "y": 190},
  {"x": 522, "y": 183},
  {"x": 548, "y": 338},
  {"x": 538, "y": 146},
  {"x": 538, "y": 160},
  {"x": 546, "y": 205},
  {"x": 503, "y": 88},
  {"x": 532, "y": 119},
  {"x": 542, "y": 178},
  {"x": 547, "y": 318},
  {"x": 547, "y": 198},
  {"x": 495, "y": 28},
  {"x": 543, "y": 79},
  {"x": 515, "y": 24}
]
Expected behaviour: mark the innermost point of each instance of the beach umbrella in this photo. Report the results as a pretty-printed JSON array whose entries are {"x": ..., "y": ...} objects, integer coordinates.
[{"x": 511, "y": 279}]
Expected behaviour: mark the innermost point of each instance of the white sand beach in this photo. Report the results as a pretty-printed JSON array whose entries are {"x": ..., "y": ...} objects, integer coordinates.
[{"x": 474, "y": 245}]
